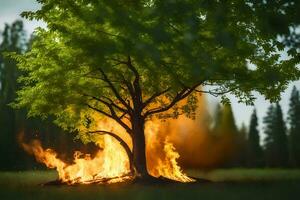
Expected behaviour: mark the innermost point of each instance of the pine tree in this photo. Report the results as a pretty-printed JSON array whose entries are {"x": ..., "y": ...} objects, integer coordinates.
[
  {"x": 254, "y": 150},
  {"x": 294, "y": 128},
  {"x": 224, "y": 120},
  {"x": 13, "y": 122},
  {"x": 241, "y": 152},
  {"x": 228, "y": 121},
  {"x": 269, "y": 132},
  {"x": 13, "y": 40},
  {"x": 226, "y": 132},
  {"x": 282, "y": 140},
  {"x": 217, "y": 118},
  {"x": 276, "y": 150},
  {"x": 243, "y": 131}
]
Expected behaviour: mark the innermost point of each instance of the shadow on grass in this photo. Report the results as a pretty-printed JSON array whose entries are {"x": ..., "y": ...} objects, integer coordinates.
[{"x": 25, "y": 185}]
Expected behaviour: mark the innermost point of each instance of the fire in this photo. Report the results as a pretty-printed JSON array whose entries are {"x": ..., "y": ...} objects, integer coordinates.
[
  {"x": 165, "y": 140},
  {"x": 111, "y": 164},
  {"x": 168, "y": 167},
  {"x": 162, "y": 155}
]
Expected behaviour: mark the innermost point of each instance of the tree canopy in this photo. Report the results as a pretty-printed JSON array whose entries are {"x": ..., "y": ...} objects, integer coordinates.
[{"x": 101, "y": 55}]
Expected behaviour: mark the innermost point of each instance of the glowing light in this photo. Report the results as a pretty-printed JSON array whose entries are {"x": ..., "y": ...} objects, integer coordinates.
[{"x": 110, "y": 164}]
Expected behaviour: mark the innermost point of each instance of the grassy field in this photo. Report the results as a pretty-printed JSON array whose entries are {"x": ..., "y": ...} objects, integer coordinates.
[
  {"x": 236, "y": 184},
  {"x": 248, "y": 175}
]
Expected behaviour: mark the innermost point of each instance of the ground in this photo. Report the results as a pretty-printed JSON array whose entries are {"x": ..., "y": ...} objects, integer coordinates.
[{"x": 239, "y": 184}]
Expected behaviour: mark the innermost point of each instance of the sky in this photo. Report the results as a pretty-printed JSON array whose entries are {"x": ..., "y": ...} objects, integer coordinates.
[{"x": 10, "y": 10}]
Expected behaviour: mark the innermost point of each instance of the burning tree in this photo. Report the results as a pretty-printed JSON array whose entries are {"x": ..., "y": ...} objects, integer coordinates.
[{"x": 133, "y": 61}]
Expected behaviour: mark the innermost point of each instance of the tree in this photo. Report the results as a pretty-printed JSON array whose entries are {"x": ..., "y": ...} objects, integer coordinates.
[
  {"x": 14, "y": 122},
  {"x": 294, "y": 127},
  {"x": 268, "y": 131},
  {"x": 13, "y": 40},
  {"x": 255, "y": 153},
  {"x": 242, "y": 146},
  {"x": 217, "y": 118},
  {"x": 225, "y": 120},
  {"x": 134, "y": 60},
  {"x": 229, "y": 136},
  {"x": 276, "y": 149}
]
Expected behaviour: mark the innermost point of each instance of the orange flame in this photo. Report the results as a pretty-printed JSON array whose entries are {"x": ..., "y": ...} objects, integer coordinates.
[
  {"x": 161, "y": 154},
  {"x": 110, "y": 164},
  {"x": 165, "y": 140},
  {"x": 168, "y": 167}
]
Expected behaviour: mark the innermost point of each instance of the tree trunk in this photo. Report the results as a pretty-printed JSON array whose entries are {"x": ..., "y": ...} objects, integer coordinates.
[{"x": 139, "y": 147}]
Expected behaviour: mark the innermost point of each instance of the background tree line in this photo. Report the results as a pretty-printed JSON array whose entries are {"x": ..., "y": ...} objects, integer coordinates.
[
  {"x": 14, "y": 122},
  {"x": 278, "y": 148},
  {"x": 277, "y": 145}
]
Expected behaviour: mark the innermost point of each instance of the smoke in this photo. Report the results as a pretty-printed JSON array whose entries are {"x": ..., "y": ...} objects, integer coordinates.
[{"x": 195, "y": 140}]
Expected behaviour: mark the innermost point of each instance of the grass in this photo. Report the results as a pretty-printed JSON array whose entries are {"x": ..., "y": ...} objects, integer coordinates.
[
  {"x": 232, "y": 184},
  {"x": 248, "y": 175}
]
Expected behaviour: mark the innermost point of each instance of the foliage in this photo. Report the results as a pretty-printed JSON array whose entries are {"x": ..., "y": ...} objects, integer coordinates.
[
  {"x": 14, "y": 122},
  {"x": 255, "y": 154},
  {"x": 13, "y": 40},
  {"x": 227, "y": 137},
  {"x": 94, "y": 50},
  {"x": 276, "y": 149},
  {"x": 294, "y": 127},
  {"x": 227, "y": 122}
]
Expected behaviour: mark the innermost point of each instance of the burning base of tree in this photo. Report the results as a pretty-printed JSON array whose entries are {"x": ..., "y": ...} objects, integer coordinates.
[
  {"x": 109, "y": 165},
  {"x": 126, "y": 179}
]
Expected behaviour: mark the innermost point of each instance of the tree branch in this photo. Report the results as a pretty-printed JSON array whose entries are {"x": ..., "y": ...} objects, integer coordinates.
[
  {"x": 216, "y": 94},
  {"x": 113, "y": 116},
  {"x": 122, "y": 143},
  {"x": 128, "y": 85},
  {"x": 100, "y": 111},
  {"x": 179, "y": 96},
  {"x": 137, "y": 98},
  {"x": 114, "y": 90},
  {"x": 107, "y": 103},
  {"x": 119, "y": 120},
  {"x": 133, "y": 88},
  {"x": 154, "y": 96}
]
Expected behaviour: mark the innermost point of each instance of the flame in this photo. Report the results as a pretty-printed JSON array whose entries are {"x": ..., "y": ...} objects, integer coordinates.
[
  {"x": 165, "y": 140},
  {"x": 168, "y": 167},
  {"x": 162, "y": 156},
  {"x": 109, "y": 165}
]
